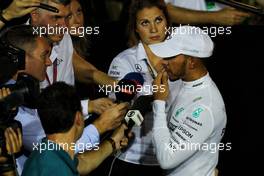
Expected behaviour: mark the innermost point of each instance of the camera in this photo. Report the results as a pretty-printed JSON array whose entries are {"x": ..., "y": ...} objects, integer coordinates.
[{"x": 24, "y": 92}]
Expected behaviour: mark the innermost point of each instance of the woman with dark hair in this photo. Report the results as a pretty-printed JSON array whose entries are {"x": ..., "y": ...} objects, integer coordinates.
[
  {"x": 148, "y": 23},
  {"x": 81, "y": 44},
  {"x": 135, "y": 7}
]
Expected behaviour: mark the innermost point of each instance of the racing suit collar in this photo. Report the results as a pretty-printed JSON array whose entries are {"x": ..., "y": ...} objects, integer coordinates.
[
  {"x": 141, "y": 53},
  {"x": 197, "y": 83}
]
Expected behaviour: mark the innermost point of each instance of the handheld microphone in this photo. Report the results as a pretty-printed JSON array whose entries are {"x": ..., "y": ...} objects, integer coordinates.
[
  {"x": 136, "y": 77},
  {"x": 135, "y": 115},
  {"x": 126, "y": 88}
]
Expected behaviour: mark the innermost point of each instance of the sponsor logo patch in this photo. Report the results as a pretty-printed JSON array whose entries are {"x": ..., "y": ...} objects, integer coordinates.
[{"x": 196, "y": 113}]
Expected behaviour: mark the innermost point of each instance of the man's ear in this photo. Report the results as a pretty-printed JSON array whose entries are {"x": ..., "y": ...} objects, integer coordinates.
[
  {"x": 78, "y": 118},
  {"x": 27, "y": 62},
  {"x": 191, "y": 62},
  {"x": 35, "y": 16}
]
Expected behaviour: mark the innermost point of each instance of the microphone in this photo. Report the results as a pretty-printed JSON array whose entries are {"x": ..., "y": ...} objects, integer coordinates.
[
  {"x": 135, "y": 115},
  {"x": 136, "y": 77},
  {"x": 126, "y": 88}
]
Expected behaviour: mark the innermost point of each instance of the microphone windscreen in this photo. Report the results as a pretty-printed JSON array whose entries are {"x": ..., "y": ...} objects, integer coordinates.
[
  {"x": 136, "y": 77},
  {"x": 125, "y": 90}
]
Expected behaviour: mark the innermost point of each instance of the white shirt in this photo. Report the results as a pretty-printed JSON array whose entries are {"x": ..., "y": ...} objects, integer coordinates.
[
  {"x": 63, "y": 51},
  {"x": 197, "y": 116},
  {"x": 135, "y": 60},
  {"x": 195, "y": 5}
]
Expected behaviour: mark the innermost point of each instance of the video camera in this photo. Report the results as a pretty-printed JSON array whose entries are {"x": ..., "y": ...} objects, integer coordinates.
[{"x": 24, "y": 92}]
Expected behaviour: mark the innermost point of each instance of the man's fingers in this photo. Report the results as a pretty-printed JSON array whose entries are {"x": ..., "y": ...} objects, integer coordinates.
[
  {"x": 124, "y": 126},
  {"x": 28, "y": 3},
  {"x": 165, "y": 78},
  {"x": 10, "y": 146},
  {"x": 2, "y": 159},
  {"x": 7, "y": 140},
  {"x": 19, "y": 137},
  {"x": 107, "y": 104},
  {"x": 119, "y": 119},
  {"x": 124, "y": 142},
  {"x": 122, "y": 106},
  {"x": 106, "y": 101},
  {"x": 242, "y": 14},
  {"x": 31, "y": 1},
  {"x": 8, "y": 91},
  {"x": 4, "y": 92},
  {"x": 13, "y": 140},
  {"x": 117, "y": 124},
  {"x": 158, "y": 78},
  {"x": 28, "y": 10},
  {"x": 131, "y": 135}
]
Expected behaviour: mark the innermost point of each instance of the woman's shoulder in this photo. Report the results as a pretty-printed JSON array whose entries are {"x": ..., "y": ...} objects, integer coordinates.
[{"x": 128, "y": 53}]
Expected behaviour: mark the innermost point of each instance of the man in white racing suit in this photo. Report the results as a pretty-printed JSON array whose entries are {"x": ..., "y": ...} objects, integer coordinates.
[{"x": 187, "y": 137}]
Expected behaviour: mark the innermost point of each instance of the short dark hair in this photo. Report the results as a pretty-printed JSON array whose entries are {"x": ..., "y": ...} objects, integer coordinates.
[
  {"x": 135, "y": 7},
  {"x": 21, "y": 36},
  {"x": 57, "y": 107}
]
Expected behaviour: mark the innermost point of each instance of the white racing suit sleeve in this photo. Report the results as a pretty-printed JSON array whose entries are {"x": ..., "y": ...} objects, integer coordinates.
[
  {"x": 168, "y": 1},
  {"x": 174, "y": 145},
  {"x": 85, "y": 104}
]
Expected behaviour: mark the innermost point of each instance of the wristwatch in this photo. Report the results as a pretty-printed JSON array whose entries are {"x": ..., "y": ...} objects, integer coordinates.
[
  {"x": 112, "y": 142},
  {"x": 2, "y": 18}
]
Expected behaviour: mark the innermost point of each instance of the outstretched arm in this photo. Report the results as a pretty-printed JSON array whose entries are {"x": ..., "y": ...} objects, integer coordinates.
[
  {"x": 90, "y": 160},
  {"x": 87, "y": 73},
  {"x": 226, "y": 16}
]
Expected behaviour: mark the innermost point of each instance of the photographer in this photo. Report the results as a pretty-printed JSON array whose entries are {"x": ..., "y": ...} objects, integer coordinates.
[
  {"x": 23, "y": 52},
  {"x": 13, "y": 144}
]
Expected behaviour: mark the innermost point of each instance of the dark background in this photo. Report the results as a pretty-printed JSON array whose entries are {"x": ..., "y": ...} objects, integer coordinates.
[{"x": 237, "y": 70}]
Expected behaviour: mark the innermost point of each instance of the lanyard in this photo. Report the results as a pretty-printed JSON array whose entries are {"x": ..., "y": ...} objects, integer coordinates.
[{"x": 55, "y": 72}]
